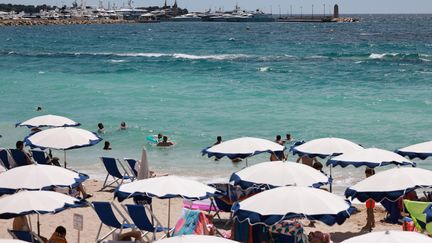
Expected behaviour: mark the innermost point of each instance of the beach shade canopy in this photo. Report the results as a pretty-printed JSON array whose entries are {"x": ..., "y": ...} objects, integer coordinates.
[
  {"x": 195, "y": 239},
  {"x": 62, "y": 138},
  {"x": 277, "y": 173},
  {"x": 165, "y": 187},
  {"x": 390, "y": 236},
  {"x": 390, "y": 184},
  {"x": 325, "y": 147},
  {"x": 370, "y": 157},
  {"x": 420, "y": 150},
  {"x": 143, "y": 164},
  {"x": 38, "y": 177},
  {"x": 36, "y": 202},
  {"x": 48, "y": 121},
  {"x": 242, "y": 148},
  {"x": 272, "y": 206}
]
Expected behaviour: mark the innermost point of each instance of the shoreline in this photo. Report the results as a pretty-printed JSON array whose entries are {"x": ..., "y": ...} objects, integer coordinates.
[{"x": 33, "y": 22}]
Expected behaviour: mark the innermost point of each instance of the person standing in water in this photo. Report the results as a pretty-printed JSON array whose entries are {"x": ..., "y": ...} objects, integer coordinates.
[
  {"x": 101, "y": 128},
  {"x": 123, "y": 125},
  {"x": 165, "y": 142},
  {"x": 218, "y": 141}
]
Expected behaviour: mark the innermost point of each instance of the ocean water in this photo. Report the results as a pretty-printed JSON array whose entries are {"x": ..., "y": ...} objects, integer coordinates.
[{"x": 369, "y": 82}]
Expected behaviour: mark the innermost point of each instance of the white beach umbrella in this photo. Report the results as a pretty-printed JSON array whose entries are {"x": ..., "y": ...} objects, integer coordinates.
[
  {"x": 391, "y": 236},
  {"x": 38, "y": 177},
  {"x": 243, "y": 147},
  {"x": 325, "y": 147},
  {"x": 390, "y": 184},
  {"x": 48, "y": 121},
  {"x": 420, "y": 150},
  {"x": 195, "y": 239},
  {"x": 165, "y": 187},
  {"x": 278, "y": 173},
  {"x": 36, "y": 202},
  {"x": 39, "y": 202},
  {"x": 272, "y": 206},
  {"x": 143, "y": 170},
  {"x": 370, "y": 157},
  {"x": 62, "y": 138}
]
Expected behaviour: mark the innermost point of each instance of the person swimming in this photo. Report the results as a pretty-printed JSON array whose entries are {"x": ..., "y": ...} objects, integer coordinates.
[
  {"x": 123, "y": 125},
  {"x": 101, "y": 128},
  {"x": 165, "y": 142},
  {"x": 107, "y": 146}
]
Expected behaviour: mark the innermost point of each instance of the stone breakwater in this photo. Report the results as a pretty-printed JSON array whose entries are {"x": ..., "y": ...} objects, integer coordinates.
[{"x": 30, "y": 22}]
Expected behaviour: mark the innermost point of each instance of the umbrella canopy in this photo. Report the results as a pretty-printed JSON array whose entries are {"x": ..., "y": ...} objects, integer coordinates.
[
  {"x": 242, "y": 148},
  {"x": 272, "y": 206},
  {"x": 36, "y": 202},
  {"x": 165, "y": 187},
  {"x": 143, "y": 170},
  {"x": 371, "y": 157},
  {"x": 324, "y": 147},
  {"x": 195, "y": 239},
  {"x": 48, "y": 121},
  {"x": 420, "y": 150},
  {"x": 391, "y": 236},
  {"x": 277, "y": 173},
  {"x": 38, "y": 177},
  {"x": 62, "y": 138},
  {"x": 390, "y": 184}
]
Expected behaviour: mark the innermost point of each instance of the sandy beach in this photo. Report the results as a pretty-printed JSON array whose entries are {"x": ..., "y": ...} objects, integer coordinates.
[{"x": 352, "y": 226}]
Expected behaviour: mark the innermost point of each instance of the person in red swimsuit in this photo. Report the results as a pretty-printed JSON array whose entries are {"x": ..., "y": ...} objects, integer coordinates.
[{"x": 370, "y": 205}]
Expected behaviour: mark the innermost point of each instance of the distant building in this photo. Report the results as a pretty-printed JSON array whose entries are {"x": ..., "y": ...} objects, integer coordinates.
[{"x": 336, "y": 11}]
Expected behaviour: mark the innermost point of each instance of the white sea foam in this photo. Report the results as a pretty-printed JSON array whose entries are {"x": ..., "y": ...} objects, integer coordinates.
[
  {"x": 210, "y": 57},
  {"x": 377, "y": 56},
  {"x": 117, "y": 60},
  {"x": 264, "y": 69}
]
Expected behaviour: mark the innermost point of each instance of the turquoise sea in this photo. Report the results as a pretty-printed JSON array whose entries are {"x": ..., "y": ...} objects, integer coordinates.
[{"x": 369, "y": 82}]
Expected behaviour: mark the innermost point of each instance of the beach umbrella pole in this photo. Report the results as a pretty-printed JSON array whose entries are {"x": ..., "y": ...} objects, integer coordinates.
[
  {"x": 331, "y": 179},
  {"x": 169, "y": 215},
  {"x": 64, "y": 153},
  {"x": 38, "y": 225}
]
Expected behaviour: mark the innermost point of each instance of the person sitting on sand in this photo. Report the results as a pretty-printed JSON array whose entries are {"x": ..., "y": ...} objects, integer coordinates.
[
  {"x": 165, "y": 142},
  {"x": 370, "y": 205},
  {"x": 101, "y": 128},
  {"x": 20, "y": 223},
  {"x": 123, "y": 125},
  {"x": 306, "y": 160},
  {"x": 107, "y": 145},
  {"x": 20, "y": 147},
  {"x": 59, "y": 235}
]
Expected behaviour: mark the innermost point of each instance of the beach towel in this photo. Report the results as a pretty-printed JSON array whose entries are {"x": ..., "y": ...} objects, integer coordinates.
[
  {"x": 288, "y": 231},
  {"x": 193, "y": 222},
  {"x": 416, "y": 210}
]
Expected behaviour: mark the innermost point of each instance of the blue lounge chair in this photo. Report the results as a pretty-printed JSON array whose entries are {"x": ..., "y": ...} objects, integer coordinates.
[
  {"x": 19, "y": 157},
  {"x": 138, "y": 215},
  {"x": 104, "y": 211},
  {"x": 4, "y": 158},
  {"x": 26, "y": 236},
  {"x": 111, "y": 166},
  {"x": 40, "y": 157},
  {"x": 131, "y": 163}
]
